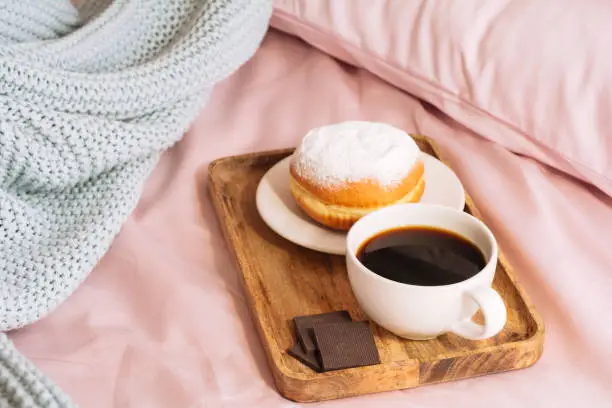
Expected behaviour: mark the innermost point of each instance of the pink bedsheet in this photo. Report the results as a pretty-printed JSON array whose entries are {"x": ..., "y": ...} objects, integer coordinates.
[{"x": 162, "y": 321}]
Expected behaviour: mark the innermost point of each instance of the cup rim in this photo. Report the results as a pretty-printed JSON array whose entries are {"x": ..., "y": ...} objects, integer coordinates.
[{"x": 493, "y": 258}]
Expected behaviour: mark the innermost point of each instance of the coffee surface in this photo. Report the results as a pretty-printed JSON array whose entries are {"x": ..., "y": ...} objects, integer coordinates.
[{"x": 421, "y": 256}]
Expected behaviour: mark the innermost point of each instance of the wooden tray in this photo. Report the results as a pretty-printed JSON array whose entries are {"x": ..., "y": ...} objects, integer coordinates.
[{"x": 283, "y": 280}]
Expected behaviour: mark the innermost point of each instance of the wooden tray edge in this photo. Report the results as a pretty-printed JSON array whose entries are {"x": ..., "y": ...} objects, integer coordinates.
[
  {"x": 219, "y": 161},
  {"x": 216, "y": 194}
]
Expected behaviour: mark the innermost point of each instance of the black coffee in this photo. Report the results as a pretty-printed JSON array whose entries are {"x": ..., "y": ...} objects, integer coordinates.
[{"x": 421, "y": 256}]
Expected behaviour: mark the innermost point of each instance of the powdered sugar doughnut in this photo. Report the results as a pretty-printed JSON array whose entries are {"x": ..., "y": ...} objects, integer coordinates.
[{"x": 341, "y": 172}]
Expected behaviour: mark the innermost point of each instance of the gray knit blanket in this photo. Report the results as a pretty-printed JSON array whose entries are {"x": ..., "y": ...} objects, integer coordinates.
[{"x": 90, "y": 96}]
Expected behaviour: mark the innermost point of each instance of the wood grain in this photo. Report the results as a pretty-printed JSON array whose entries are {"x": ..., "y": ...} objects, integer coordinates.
[{"x": 282, "y": 280}]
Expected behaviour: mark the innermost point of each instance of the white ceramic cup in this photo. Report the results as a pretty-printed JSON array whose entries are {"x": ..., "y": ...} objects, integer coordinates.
[{"x": 425, "y": 312}]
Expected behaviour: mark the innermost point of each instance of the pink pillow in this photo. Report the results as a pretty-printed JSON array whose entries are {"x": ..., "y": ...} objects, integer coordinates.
[{"x": 534, "y": 76}]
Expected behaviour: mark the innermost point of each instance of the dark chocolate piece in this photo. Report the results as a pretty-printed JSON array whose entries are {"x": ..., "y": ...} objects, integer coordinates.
[
  {"x": 345, "y": 345},
  {"x": 308, "y": 358},
  {"x": 303, "y": 326}
]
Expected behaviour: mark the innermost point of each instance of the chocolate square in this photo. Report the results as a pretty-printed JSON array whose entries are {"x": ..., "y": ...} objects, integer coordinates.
[
  {"x": 304, "y": 324},
  {"x": 308, "y": 358},
  {"x": 345, "y": 345}
]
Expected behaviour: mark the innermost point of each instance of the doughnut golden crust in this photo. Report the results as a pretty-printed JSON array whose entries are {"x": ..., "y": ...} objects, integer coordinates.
[{"x": 340, "y": 207}]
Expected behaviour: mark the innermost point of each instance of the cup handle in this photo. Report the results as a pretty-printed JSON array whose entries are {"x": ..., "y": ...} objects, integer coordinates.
[{"x": 494, "y": 311}]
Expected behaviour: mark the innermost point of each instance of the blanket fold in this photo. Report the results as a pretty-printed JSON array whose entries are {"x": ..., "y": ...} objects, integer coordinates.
[{"x": 90, "y": 95}]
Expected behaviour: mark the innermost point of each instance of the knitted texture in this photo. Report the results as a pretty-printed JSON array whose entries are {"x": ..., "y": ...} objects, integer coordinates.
[{"x": 90, "y": 95}]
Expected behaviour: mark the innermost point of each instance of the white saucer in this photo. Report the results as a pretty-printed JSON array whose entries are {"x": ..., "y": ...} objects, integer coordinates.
[{"x": 279, "y": 210}]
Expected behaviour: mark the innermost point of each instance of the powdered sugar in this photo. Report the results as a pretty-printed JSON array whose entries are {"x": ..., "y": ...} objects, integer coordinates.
[{"x": 356, "y": 151}]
